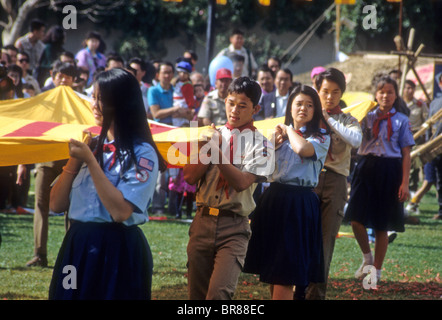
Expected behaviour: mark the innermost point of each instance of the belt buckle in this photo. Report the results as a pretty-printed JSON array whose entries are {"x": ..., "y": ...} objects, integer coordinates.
[{"x": 213, "y": 211}]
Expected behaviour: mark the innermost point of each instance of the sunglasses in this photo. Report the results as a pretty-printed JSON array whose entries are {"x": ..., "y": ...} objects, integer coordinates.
[{"x": 23, "y": 60}]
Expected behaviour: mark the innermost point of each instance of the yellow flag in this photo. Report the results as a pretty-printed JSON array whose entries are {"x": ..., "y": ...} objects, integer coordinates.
[{"x": 38, "y": 129}]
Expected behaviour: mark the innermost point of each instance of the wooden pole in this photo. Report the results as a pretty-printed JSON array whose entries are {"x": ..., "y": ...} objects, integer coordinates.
[
  {"x": 400, "y": 33},
  {"x": 209, "y": 32},
  {"x": 406, "y": 66},
  {"x": 426, "y": 147},
  {"x": 424, "y": 127},
  {"x": 338, "y": 30}
]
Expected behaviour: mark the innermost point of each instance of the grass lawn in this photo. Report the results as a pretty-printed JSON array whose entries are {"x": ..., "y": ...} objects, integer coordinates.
[{"x": 411, "y": 270}]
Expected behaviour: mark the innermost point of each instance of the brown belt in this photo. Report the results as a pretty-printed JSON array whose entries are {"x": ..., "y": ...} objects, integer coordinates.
[{"x": 209, "y": 211}]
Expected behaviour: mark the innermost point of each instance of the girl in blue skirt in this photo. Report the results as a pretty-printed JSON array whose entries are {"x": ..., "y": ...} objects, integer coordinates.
[
  {"x": 286, "y": 244},
  {"x": 380, "y": 181},
  {"x": 106, "y": 187}
]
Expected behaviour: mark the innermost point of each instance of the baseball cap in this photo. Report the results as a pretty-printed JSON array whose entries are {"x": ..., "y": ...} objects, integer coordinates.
[
  {"x": 223, "y": 73},
  {"x": 316, "y": 71},
  {"x": 184, "y": 66}
]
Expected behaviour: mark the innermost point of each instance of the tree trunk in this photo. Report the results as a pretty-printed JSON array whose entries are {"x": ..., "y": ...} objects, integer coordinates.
[{"x": 12, "y": 28}]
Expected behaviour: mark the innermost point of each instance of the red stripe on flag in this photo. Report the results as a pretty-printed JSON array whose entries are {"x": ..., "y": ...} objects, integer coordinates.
[
  {"x": 34, "y": 129},
  {"x": 95, "y": 130},
  {"x": 158, "y": 128}
]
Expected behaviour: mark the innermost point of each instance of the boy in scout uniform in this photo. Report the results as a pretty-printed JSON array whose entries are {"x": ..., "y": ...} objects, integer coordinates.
[{"x": 239, "y": 157}]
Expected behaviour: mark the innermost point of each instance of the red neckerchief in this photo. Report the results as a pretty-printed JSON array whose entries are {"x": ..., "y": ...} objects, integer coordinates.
[
  {"x": 222, "y": 182},
  {"x": 376, "y": 124},
  {"x": 109, "y": 147},
  {"x": 335, "y": 110},
  {"x": 248, "y": 125}
]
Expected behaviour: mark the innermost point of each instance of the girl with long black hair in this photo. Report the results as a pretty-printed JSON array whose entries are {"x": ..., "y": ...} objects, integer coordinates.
[{"x": 106, "y": 187}]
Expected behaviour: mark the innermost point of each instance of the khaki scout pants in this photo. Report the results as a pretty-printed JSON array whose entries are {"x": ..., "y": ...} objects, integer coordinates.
[
  {"x": 216, "y": 251},
  {"x": 46, "y": 174},
  {"x": 332, "y": 192}
]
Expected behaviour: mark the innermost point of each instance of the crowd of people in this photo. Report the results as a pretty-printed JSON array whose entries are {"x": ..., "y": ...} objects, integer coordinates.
[{"x": 295, "y": 209}]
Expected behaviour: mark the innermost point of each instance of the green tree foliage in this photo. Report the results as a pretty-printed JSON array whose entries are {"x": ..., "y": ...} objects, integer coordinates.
[
  {"x": 156, "y": 20},
  {"x": 418, "y": 14}
]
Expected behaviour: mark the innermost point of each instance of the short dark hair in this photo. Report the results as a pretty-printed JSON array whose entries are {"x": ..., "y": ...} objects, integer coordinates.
[
  {"x": 166, "y": 63},
  {"x": 55, "y": 35},
  {"x": 140, "y": 62},
  {"x": 36, "y": 24},
  {"x": 288, "y": 71},
  {"x": 23, "y": 53},
  {"x": 265, "y": 68},
  {"x": 65, "y": 68},
  {"x": 236, "y": 31},
  {"x": 6, "y": 86},
  {"x": 10, "y": 47},
  {"x": 276, "y": 59},
  {"x": 15, "y": 68},
  {"x": 248, "y": 86},
  {"x": 236, "y": 57},
  {"x": 192, "y": 54},
  {"x": 410, "y": 83},
  {"x": 68, "y": 54},
  {"x": 332, "y": 74},
  {"x": 114, "y": 58}
]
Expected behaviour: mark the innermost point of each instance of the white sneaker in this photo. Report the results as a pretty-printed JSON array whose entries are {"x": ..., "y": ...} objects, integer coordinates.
[
  {"x": 372, "y": 279},
  {"x": 361, "y": 272},
  {"x": 412, "y": 208}
]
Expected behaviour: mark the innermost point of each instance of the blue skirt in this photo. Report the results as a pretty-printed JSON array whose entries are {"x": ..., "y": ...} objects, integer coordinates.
[
  {"x": 374, "y": 194},
  {"x": 105, "y": 261},
  {"x": 286, "y": 243}
]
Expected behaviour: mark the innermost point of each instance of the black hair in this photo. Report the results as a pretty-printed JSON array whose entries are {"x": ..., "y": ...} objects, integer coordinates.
[
  {"x": 10, "y": 47},
  {"x": 410, "y": 83},
  {"x": 19, "y": 87},
  {"x": 23, "y": 53},
  {"x": 236, "y": 57},
  {"x": 166, "y": 63},
  {"x": 36, "y": 24},
  {"x": 140, "y": 62},
  {"x": 127, "y": 115},
  {"x": 276, "y": 59},
  {"x": 236, "y": 31},
  {"x": 248, "y": 86},
  {"x": 331, "y": 74},
  {"x": 28, "y": 86},
  {"x": 313, "y": 128},
  {"x": 55, "y": 36},
  {"x": 96, "y": 35},
  {"x": 193, "y": 54},
  {"x": 399, "y": 72},
  {"x": 288, "y": 71},
  {"x": 6, "y": 84},
  {"x": 381, "y": 82},
  {"x": 66, "y": 68},
  {"x": 114, "y": 58},
  {"x": 265, "y": 68},
  {"x": 68, "y": 54}
]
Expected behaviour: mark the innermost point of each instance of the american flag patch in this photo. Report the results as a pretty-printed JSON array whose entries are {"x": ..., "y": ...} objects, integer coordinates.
[{"x": 146, "y": 163}]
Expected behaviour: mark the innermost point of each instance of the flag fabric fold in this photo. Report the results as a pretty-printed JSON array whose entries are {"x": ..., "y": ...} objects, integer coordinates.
[{"x": 38, "y": 129}]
